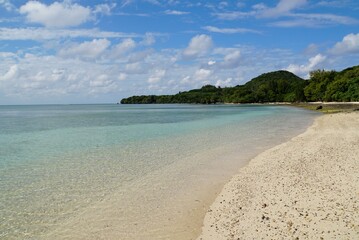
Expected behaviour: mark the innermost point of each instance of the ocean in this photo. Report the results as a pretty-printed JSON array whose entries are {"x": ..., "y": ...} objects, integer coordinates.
[{"x": 126, "y": 171}]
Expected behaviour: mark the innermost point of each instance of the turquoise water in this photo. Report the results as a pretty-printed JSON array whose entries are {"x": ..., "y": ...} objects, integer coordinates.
[{"x": 57, "y": 160}]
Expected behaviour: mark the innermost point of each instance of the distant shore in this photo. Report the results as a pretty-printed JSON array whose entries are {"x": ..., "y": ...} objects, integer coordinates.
[{"x": 306, "y": 188}]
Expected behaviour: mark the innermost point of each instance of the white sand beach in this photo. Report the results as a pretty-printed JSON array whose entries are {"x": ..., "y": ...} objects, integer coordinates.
[{"x": 306, "y": 188}]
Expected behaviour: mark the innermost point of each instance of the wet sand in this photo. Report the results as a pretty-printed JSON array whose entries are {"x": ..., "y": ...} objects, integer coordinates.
[{"x": 306, "y": 188}]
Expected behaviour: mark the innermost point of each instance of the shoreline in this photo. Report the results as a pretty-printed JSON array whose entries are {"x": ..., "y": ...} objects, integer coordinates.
[{"x": 307, "y": 187}]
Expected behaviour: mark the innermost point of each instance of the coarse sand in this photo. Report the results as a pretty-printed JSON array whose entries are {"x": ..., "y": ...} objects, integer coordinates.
[{"x": 306, "y": 188}]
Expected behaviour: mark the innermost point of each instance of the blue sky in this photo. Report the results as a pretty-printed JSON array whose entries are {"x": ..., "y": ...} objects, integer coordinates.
[{"x": 100, "y": 51}]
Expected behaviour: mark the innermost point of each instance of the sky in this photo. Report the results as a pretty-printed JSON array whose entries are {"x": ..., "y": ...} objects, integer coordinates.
[{"x": 74, "y": 51}]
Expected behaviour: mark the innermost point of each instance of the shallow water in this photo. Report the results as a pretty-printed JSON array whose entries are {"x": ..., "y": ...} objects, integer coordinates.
[{"x": 126, "y": 171}]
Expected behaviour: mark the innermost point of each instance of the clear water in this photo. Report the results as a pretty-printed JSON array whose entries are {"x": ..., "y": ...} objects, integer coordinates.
[{"x": 58, "y": 160}]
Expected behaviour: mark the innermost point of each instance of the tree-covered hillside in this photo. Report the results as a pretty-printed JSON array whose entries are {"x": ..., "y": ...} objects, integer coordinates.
[
  {"x": 278, "y": 86},
  {"x": 331, "y": 86}
]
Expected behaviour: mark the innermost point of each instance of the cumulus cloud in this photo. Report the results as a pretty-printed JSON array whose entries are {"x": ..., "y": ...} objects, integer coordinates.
[
  {"x": 303, "y": 70},
  {"x": 211, "y": 62},
  {"x": 47, "y": 76},
  {"x": 231, "y": 60},
  {"x": 198, "y": 46},
  {"x": 202, "y": 74},
  {"x": 101, "y": 81},
  {"x": 185, "y": 80},
  {"x": 123, "y": 47},
  {"x": 224, "y": 83},
  {"x": 10, "y": 74},
  {"x": 87, "y": 49},
  {"x": 135, "y": 68},
  {"x": 122, "y": 76},
  {"x": 55, "y": 15},
  {"x": 148, "y": 40},
  {"x": 139, "y": 56},
  {"x": 157, "y": 76},
  {"x": 349, "y": 44},
  {"x": 102, "y": 84}
]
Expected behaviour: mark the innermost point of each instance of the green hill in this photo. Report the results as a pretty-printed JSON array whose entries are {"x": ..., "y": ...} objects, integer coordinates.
[{"x": 278, "y": 86}]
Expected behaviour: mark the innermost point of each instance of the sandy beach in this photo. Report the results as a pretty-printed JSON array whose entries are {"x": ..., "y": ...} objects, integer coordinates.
[{"x": 306, "y": 188}]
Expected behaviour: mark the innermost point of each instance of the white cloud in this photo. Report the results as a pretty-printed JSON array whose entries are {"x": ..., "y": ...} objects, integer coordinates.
[
  {"x": 185, "y": 80},
  {"x": 233, "y": 15},
  {"x": 123, "y": 47},
  {"x": 229, "y": 30},
  {"x": 314, "y": 20},
  {"x": 139, "y": 56},
  {"x": 10, "y": 74},
  {"x": 88, "y": 49},
  {"x": 7, "y": 5},
  {"x": 51, "y": 78},
  {"x": 157, "y": 76},
  {"x": 303, "y": 70},
  {"x": 202, "y": 74},
  {"x": 126, "y": 3},
  {"x": 39, "y": 77},
  {"x": 327, "y": 18},
  {"x": 349, "y": 44},
  {"x": 7, "y": 55},
  {"x": 56, "y": 15},
  {"x": 198, "y": 46},
  {"x": 287, "y": 9},
  {"x": 104, "y": 9},
  {"x": 135, "y": 68},
  {"x": 283, "y": 7},
  {"x": 211, "y": 62},
  {"x": 259, "y": 7},
  {"x": 148, "y": 40},
  {"x": 122, "y": 76},
  {"x": 224, "y": 83},
  {"x": 174, "y": 12},
  {"x": 57, "y": 74},
  {"x": 101, "y": 81},
  {"x": 154, "y": 2},
  {"x": 334, "y": 3},
  {"x": 102, "y": 84},
  {"x": 231, "y": 60},
  {"x": 39, "y": 34},
  {"x": 311, "y": 49}
]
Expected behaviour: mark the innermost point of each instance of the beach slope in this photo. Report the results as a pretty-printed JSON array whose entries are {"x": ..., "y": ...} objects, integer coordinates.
[{"x": 305, "y": 188}]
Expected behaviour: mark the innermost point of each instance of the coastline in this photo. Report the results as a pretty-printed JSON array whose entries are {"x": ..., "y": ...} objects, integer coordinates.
[{"x": 307, "y": 187}]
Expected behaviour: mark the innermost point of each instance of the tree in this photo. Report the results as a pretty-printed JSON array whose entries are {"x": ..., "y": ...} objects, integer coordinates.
[{"x": 319, "y": 79}]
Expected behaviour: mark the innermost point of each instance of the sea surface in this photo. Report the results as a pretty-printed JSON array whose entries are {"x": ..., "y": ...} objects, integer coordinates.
[{"x": 126, "y": 171}]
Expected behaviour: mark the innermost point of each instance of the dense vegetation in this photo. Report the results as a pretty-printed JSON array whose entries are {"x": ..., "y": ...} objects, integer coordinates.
[
  {"x": 333, "y": 86},
  {"x": 279, "y": 86}
]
